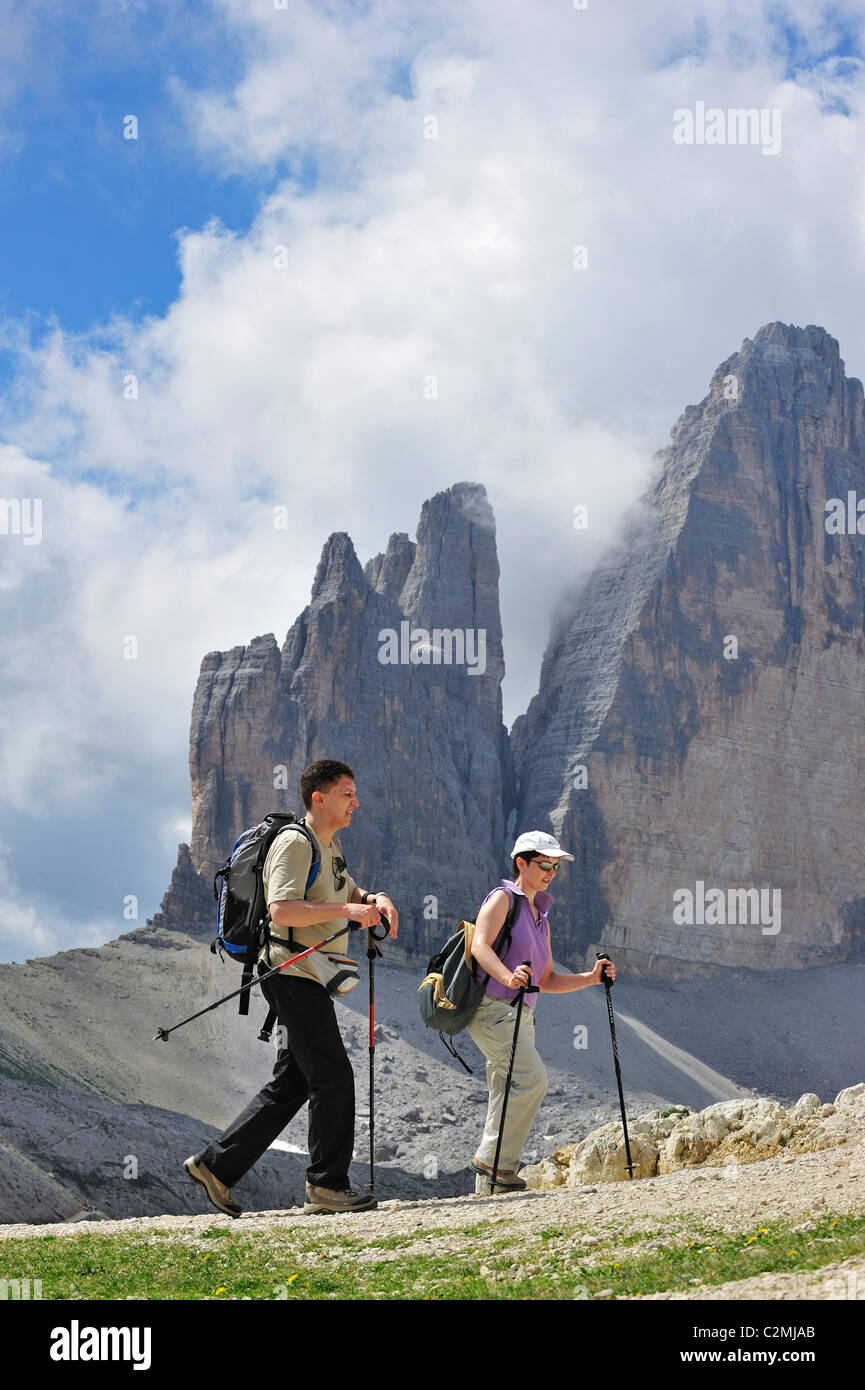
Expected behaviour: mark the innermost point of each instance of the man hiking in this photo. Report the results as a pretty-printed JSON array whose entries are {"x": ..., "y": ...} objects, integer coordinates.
[{"x": 312, "y": 1063}]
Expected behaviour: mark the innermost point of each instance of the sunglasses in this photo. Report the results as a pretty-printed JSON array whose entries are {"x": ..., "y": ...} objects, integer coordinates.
[
  {"x": 546, "y": 866},
  {"x": 338, "y": 875}
]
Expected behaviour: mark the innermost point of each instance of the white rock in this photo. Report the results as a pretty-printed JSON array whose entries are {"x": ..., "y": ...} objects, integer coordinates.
[
  {"x": 805, "y": 1106},
  {"x": 853, "y": 1096},
  {"x": 662, "y": 1144},
  {"x": 543, "y": 1175},
  {"x": 603, "y": 1158}
]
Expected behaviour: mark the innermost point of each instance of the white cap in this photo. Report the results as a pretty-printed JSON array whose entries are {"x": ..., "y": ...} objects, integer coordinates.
[{"x": 541, "y": 843}]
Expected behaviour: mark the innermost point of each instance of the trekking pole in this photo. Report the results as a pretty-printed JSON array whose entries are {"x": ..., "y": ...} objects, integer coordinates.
[
  {"x": 164, "y": 1032},
  {"x": 371, "y": 952},
  {"x": 602, "y": 955},
  {"x": 525, "y": 989}
]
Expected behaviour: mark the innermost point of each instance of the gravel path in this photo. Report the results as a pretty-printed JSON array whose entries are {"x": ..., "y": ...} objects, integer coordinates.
[
  {"x": 680, "y": 1206},
  {"x": 788, "y": 1189}
]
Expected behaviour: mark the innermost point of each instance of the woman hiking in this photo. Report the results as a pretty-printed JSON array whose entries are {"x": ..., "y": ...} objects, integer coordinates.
[{"x": 535, "y": 860}]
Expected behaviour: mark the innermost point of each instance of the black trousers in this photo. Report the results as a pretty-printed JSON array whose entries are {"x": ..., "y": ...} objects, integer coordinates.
[{"x": 313, "y": 1067}]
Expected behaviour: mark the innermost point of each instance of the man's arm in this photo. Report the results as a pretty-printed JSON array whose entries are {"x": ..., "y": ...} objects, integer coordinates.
[
  {"x": 286, "y": 876},
  {"x": 297, "y": 912}
]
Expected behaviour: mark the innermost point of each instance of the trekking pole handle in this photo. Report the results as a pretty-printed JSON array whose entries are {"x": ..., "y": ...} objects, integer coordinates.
[
  {"x": 602, "y": 955},
  {"x": 526, "y": 989}
]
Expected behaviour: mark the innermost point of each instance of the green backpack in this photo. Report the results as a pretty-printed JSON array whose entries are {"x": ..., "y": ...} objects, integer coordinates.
[{"x": 453, "y": 987}]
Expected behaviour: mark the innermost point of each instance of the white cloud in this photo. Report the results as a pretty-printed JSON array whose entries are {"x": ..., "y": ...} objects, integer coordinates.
[{"x": 411, "y": 259}]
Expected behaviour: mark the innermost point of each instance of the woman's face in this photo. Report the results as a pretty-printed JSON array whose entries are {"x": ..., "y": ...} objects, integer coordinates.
[{"x": 539, "y": 873}]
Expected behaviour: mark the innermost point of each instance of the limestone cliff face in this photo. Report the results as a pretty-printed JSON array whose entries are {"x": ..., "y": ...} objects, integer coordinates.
[
  {"x": 698, "y": 732},
  {"x": 422, "y": 730},
  {"x": 711, "y": 761}
]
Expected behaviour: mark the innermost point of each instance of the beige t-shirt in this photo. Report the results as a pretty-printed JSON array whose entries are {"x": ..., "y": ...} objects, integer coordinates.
[{"x": 286, "y": 870}]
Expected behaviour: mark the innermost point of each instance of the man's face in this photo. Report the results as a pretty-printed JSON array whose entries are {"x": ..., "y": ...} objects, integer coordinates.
[{"x": 339, "y": 801}]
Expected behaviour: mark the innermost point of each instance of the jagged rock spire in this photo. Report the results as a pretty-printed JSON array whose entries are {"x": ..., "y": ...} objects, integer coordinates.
[{"x": 422, "y": 731}]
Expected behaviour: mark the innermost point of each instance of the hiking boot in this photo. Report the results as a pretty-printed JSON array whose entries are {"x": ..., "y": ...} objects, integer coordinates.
[
  {"x": 506, "y": 1178},
  {"x": 216, "y": 1190},
  {"x": 326, "y": 1199}
]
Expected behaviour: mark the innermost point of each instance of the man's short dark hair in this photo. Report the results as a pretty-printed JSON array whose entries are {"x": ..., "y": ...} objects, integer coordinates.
[
  {"x": 527, "y": 855},
  {"x": 321, "y": 776}
]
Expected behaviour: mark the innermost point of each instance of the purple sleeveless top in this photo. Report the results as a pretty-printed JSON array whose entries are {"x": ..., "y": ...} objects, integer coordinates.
[{"x": 530, "y": 940}]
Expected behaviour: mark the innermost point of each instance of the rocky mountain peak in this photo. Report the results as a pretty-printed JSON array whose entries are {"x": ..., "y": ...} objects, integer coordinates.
[
  {"x": 686, "y": 734},
  {"x": 697, "y": 731},
  {"x": 396, "y": 669},
  {"x": 338, "y": 569}
]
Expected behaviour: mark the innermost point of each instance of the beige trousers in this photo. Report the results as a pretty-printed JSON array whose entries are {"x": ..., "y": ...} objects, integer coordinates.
[{"x": 492, "y": 1029}]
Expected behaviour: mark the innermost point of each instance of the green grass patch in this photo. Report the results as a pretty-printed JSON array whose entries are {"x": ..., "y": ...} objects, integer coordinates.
[
  {"x": 310, "y": 1262},
  {"x": 720, "y": 1258}
]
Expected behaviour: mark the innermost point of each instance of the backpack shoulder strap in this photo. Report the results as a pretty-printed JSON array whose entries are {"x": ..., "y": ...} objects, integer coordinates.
[
  {"x": 508, "y": 926},
  {"x": 315, "y": 860},
  {"x": 312, "y": 875},
  {"x": 315, "y": 863}
]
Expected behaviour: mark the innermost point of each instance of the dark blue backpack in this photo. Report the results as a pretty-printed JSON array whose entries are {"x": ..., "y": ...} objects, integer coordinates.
[{"x": 242, "y": 919}]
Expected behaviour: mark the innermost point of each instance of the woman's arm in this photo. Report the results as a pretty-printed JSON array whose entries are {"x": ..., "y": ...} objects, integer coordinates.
[
  {"x": 491, "y": 919},
  {"x": 557, "y": 982}
]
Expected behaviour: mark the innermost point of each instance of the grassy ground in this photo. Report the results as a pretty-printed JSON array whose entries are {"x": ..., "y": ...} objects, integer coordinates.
[{"x": 320, "y": 1261}]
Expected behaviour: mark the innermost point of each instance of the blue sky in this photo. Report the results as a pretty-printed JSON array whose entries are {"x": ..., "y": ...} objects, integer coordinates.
[
  {"x": 307, "y": 128},
  {"x": 87, "y": 217}
]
